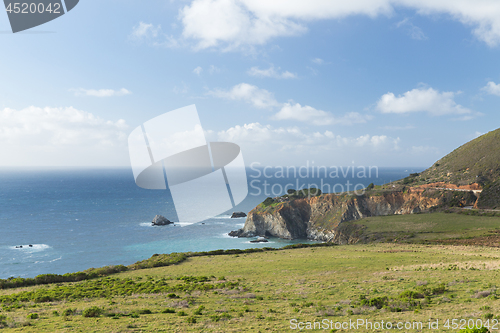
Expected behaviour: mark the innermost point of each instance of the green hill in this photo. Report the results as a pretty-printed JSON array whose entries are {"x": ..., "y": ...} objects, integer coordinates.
[{"x": 477, "y": 161}]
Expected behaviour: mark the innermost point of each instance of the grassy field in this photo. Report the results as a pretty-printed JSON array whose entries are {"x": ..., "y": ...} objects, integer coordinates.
[
  {"x": 263, "y": 292},
  {"x": 421, "y": 228}
]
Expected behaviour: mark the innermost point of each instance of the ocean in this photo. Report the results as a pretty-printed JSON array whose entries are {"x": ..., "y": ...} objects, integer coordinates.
[{"x": 76, "y": 219}]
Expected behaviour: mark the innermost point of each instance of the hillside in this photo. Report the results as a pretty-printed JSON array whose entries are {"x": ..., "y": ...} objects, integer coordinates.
[
  {"x": 475, "y": 163},
  {"x": 264, "y": 291}
]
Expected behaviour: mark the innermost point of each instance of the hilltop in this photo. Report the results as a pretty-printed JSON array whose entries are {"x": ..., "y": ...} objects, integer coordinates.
[{"x": 474, "y": 166}]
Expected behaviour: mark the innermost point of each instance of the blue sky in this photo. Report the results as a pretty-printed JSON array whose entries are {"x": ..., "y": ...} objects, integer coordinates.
[{"x": 382, "y": 82}]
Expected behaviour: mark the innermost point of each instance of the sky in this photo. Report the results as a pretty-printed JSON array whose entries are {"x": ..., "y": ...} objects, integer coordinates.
[{"x": 388, "y": 83}]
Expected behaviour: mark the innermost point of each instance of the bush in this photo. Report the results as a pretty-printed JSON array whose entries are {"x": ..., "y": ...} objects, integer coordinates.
[
  {"x": 191, "y": 320},
  {"x": 378, "y": 302},
  {"x": 92, "y": 312},
  {"x": 168, "y": 310},
  {"x": 475, "y": 330},
  {"x": 68, "y": 312},
  {"x": 144, "y": 311},
  {"x": 33, "y": 316},
  {"x": 370, "y": 186},
  {"x": 268, "y": 201}
]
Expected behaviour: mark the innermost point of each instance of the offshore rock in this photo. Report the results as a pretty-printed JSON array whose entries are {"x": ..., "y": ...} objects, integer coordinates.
[
  {"x": 160, "y": 220},
  {"x": 238, "y": 214}
]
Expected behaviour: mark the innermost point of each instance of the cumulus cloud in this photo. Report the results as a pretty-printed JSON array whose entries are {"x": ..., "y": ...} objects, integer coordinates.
[
  {"x": 264, "y": 99},
  {"x": 271, "y": 72},
  {"x": 492, "y": 88},
  {"x": 255, "y": 133},
  {"x": 235, "y": 23},
  {"x": 269, "y": 144},
  {"x": 60, "y": 136},
  {"x": 248, "y": 93},
  {"x": 422, "y": 100},
  {"x": 311, "y": 115},
  {"x": 101, "y": 92}
]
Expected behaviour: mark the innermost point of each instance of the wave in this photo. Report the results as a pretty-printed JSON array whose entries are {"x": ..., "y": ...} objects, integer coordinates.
[{"x": 32, "y": 248}]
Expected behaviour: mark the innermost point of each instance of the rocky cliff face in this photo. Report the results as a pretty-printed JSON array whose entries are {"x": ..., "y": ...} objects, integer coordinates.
[{"x": 322, "y": 218}]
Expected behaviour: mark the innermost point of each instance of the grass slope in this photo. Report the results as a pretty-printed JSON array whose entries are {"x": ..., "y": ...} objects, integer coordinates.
[{"x": 476, "y": 161}]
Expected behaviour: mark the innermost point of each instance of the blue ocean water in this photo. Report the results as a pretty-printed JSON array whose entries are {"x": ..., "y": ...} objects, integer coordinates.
[{"x": 81, "y": 218}]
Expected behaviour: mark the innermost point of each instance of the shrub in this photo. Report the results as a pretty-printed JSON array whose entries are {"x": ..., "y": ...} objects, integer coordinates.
[
  {"x": 68, "y": 312},
  {"x": 144, "y": 311},
  {"x": 378, "y": 302},
  {"x": 181, "y": 313},
  {"x": 268, "y": 201},
  {"x": 91, "y": 312},
  {"x": 191, "y": 320},
  {"x": 475, "y": 330},
  {"x": 168, "y": 310},
  {"x": 33, "y": 316},
  {"x": 198, "y": 311}
]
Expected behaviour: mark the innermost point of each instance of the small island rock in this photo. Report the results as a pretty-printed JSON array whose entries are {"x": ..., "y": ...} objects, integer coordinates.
[
  {"x": 259, "y": 240},
  {"x": 160, "y": 220},
  {"x": 238, "y": 214}
]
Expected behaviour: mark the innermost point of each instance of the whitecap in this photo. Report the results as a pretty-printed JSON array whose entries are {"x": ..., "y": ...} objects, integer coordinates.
[{"x": 32, "y": 248}]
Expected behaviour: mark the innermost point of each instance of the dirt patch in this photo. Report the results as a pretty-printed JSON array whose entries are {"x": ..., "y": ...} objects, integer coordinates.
[{"x": 471, "y": 187}]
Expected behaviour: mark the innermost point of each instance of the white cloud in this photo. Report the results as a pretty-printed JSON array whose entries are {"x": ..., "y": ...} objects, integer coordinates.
[
  {"x": 235, "y": 23},
  {"x": 492, "y": 88},
  {"x": 212, "y": 22},
  {"x": 251, "y": 94},
  {"x": 271, "y": 72},
  {"x": 153, "y": 35},
  {"x": 311, "y": 115},
  {"x": 101, "y": 92},
  {"x": 255, "y": 133},
  {"x": 414, "y": 31},
  {"x": 421, "y": 100},
  {"x": 145, "y": 30},
  {"x": 318, "y": 61},
  {"x": 264, "y": 99},
  {"x": 37, "y": 136},
  {"x": 289, "y": 145},
  {"x": 198, "y": 70}
]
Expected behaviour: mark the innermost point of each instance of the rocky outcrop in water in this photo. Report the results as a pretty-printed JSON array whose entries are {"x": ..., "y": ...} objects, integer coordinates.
[
  {"x": 161, "y": 220},
  {"x": 238, "y": 214}
]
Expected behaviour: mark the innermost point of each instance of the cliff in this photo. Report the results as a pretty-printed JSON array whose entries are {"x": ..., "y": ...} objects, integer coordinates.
[{"x": 322, "y": 217}]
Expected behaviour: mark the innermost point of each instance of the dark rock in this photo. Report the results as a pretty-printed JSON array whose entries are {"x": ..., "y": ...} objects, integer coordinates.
[
  {"x": 160, "y": 220},
  {"x": 259, "y": 240},
  {"x": 238, "y": 214}
]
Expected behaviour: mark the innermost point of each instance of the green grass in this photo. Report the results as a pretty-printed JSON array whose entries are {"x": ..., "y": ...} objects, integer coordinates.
[{"x": 426, "y": 227}]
